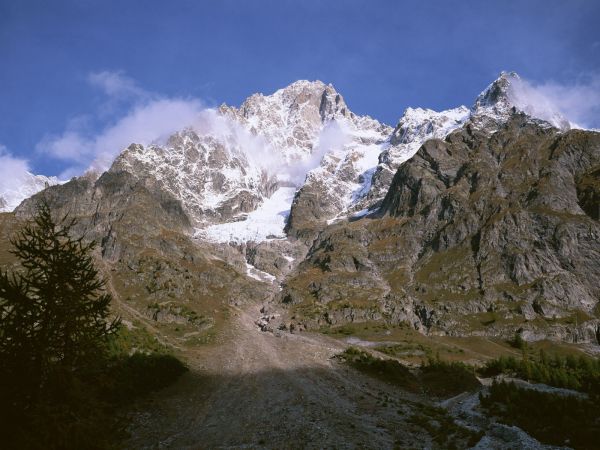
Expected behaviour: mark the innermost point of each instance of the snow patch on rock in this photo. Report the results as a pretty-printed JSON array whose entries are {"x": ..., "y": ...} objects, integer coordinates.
[
  {"x": 265, "y": 223},
  {"x": 259, "y": 275}
]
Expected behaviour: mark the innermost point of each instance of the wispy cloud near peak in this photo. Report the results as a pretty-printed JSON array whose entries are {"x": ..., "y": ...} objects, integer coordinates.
[
  {"x": 116, "y": 84},
  {"x": 12, "y": 170},
  {"x": 146, "y": 118},
  {"x": 578, "y": 102}
]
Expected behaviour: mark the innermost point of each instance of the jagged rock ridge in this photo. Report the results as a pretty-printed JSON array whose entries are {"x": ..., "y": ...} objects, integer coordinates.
[
  {"x": 479, "y": 233},
  {"x": 381, "y": 215}
]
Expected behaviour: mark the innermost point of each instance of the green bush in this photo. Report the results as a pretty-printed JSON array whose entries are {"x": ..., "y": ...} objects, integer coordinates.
[
  {"x": 518, "y": 342},
  {"x": 388, "y": 370},
  {"x": 550, "y": 418},
  {"x": 578, "y": 373},
  {"x": 436, "y": 377},
  {"x": 443, "y": 429},
  {"x": 446, "y": 379}
]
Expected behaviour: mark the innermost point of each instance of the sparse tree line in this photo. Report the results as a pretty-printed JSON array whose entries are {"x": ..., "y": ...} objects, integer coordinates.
[
  {"x": 552, "y": 418},
  {"x": 578, "y": 373}
]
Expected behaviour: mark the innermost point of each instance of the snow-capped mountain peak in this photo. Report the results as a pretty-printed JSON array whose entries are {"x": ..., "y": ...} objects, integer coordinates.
[
  {"x": 509, "y": 93},
  {"x": 234, "y": 159},
  {"x": 211, "y": 176},
  {"x": 291, "y": 118},
  {"x": 414, "y": 127},
  {"x": 23, "y": 186},
  {"x": 497, "y": 95},
  {"x": 227, "y": 166},
  {"x": 418, "y": 123},
  {"x": 349, "y": 191}
]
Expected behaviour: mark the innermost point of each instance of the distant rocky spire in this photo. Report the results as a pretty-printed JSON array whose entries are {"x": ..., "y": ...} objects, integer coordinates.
[
  {"x": 497, "y": 94},
  {"x": 509, "y": 93}
]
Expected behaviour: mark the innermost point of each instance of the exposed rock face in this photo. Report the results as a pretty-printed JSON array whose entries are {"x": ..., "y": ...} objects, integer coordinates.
[
  {"x": 144, "y": 209},
  {"x": 213, "y": 181},
  {"x": 115, "y": 197},
  {"x": 414, "y": 128},
  {"x": 343, "y": 179},
  {"x": 292, "y": 118},
  {"x": 354, "y": 176},
  {"x": 235, "y": 159},
  {"x": 478, "y": 220},
  {"x": 509, "y": 94},
  {"x": 154, "y": 268},
  {"x": 501, "y": 225},
  {"x": 513, "y": 197},
  {"x": 337, "y": 189},
  {"x": 588, "y": 193},
  {"x": 310, "y": 124}
]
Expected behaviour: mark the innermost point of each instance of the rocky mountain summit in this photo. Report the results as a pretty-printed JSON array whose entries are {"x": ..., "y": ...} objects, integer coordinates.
[
  {"x": 478, "y": 233},
  {"x": 214, "y": 181},
  {"x": 325, "y": 194},
  {"x": 292, "y": 118},
  {"x": 480, "y": 220},
  {"x": 233, "y": 159}
]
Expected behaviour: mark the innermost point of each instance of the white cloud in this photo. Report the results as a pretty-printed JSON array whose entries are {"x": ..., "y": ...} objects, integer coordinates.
[
  {"x": 259, "y": 152},
  {"x": 15, "y": 180},
  {"x": 116, "y": 84},
  {"x": 579, "y": 102},
  {"x": 144, "y": 124},
  {"x": 256, "y": 149},
  {"x": 12, "y": 170},
  {"x": 334, "y": 136},
  {"x": 149, "y": 119}
]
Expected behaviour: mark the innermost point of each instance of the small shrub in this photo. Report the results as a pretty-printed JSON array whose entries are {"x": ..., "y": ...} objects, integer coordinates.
[
  {"x": 447, "y": 379},
  {"x": 518, "y": 342},
  {"x": 388, "y": 370},
  {"x": 443, "y": 429}
]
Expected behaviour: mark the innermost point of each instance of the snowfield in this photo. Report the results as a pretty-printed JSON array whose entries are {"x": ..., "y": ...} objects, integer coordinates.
[{"x": 264, "y": 223}]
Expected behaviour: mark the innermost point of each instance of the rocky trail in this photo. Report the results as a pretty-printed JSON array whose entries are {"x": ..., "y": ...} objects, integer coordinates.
[{"x": 268, "y": 390}]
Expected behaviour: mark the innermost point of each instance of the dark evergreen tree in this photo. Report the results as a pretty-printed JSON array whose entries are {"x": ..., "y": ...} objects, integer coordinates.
[{"x": 54, "y": 319}]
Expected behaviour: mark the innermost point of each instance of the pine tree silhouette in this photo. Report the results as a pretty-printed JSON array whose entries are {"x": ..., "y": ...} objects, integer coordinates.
[{"x": 54, "y": 314}]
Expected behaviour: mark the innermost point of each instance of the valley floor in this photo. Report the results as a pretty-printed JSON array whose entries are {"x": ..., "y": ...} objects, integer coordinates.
[{"x": 260, "y": 390}]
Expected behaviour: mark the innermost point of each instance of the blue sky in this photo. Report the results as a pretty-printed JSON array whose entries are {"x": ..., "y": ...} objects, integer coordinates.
[{"x": 71, "y": 70}]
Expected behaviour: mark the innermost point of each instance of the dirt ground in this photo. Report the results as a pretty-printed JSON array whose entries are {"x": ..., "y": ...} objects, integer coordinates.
[
  {"x": 286, "y": 391},
  {"x": 260, "y": 390}
]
